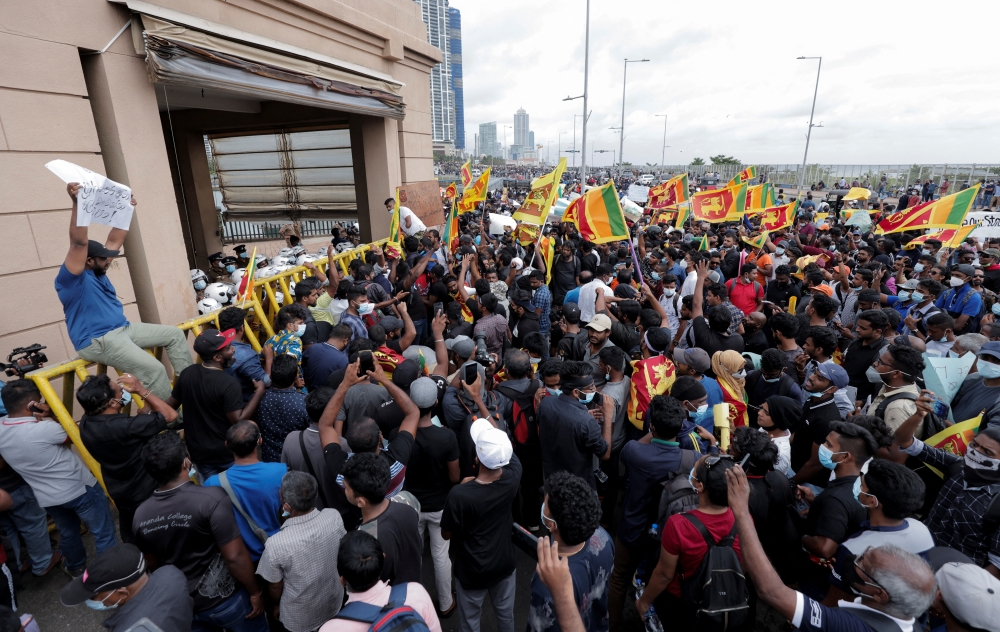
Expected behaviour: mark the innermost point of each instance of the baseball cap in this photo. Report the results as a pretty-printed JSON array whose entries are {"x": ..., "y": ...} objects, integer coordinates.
[
  {"x": 966, "y": 269},
  {"x": 423, "y": 392},
  {"x": 571, "y": 311},
  {"x": 492, "y": 444},
  {"x": 97, "y": 249},
  {"x": 971, "y": 594},
  {"x": 390, "y": 323},
  {"x": 992, "y": 252},
  {"x": 405, "y": 374},
  {"x": 824, "y": 289},
  {"x": 911, "y": 284},
  {"x": 695, "y": 358},
  {"x": 991, "y": 349},
  {"x": 835, "y": 373},
  {"x": 119, "y": 566},
  {"x": 463, "y": 346},
  {"x": 211, "y": 340},
  {"x": 599, "y": 322}
]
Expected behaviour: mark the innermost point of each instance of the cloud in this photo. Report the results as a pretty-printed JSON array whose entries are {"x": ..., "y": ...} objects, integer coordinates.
[{"x": 730, "y": 82}]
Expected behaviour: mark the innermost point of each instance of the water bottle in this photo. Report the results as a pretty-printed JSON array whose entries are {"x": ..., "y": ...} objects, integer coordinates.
[{"x": 650, "y": 620}]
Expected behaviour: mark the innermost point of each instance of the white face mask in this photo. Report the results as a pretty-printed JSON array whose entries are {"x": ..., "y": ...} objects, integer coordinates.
[
  {"x": 300, "y": 330},
  {"x": 956, "y": 282},
  {"x": 365, "y": 308},
  {"x": 669, "y": 292}
]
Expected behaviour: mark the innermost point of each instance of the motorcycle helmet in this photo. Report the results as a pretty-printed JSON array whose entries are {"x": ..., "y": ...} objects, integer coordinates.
[
  {"x": 199, "y": 279},
  {"x": 303, "y": 258},
  {"x": 237, "y": 276},
  {"x": 220, "y": 292},
  {"x": 266, "y": 271},
  {"x": 207, "y": 305},
  {"x": 282, "y": 260}
]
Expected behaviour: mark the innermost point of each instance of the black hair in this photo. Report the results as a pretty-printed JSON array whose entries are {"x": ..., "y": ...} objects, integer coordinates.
[
  {"x": 772, "y": 360},
  {"x": 613, "y": 357},
  {"x": 306, "y": 286},
  {"x": 453, "y": 310},
  {"x": 894, "y": 317},
  {"x": 489, "y": 302},
  {"x": 242, "y": 438},
  {"x": 9, "y": 621},
  {"x": 288, "y": 313},
  {"x": 659, "y": 339},
  {"x": 163, "y": 456},
  {"x": 17, "y": 393},
  {"x": 284, "y": 370},
  {"x": 574, "y": 372},
  {"x": 232, "y": 318},
  {"x": 343, "y": 288},
  {"x": 533, "y": 342},
  {"x": 550, "y": 367},
  {"x": 823, "y": 305},
  {"x": 714, "y": 480},
  {"x": 786, "y": 324},
  {"x": 720, "y": 319},
  {"x": 316, "y": 401},
  {"x": 368, "y": 475},
  {"x": 649, "y": 318},
  {"x": 907, "y": 360},
  {"x": 363, "y": 435},
  {"x": 782, "y": 270},
  {"x": 666, "y": 416},
  {"x": 574, "y": 506},
  {"x": 934, "y": 288},
  {"x": 360, "y": 560},
  {"x": 719, "y": 290},
  {"x": 763, "y": 452},
  {"x": 748, "y": 268},
  {"x": 376, "y": 333},
  {"x": 942, "y": 320},
  {"x": 823, "y": 338},
  {"x": 362, "y": 272},
  {"x": 875, "y": 318},
  {"x": 899, "y": 490},
  {"x": 356, "y": 292},
  {"x": 604, "y": 270},
  {"x": 629, "y": 310},
  {"x": 814, "y": 276},
  {"x": 341, "y": 331},
  {"x": 357, "y": 345},
  {"x": 856, "y": 440},
  {"x": 517, "y": 362},
  {"x": 95, "y": 394},
  {"x": 876, "y": 427},
  {"x": 667, "y": 279}
]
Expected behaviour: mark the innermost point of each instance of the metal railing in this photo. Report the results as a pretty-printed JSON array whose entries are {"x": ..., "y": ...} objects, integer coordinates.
[
  {"x": 264, "y": 292},
  {"x": 240, "y": 232}
]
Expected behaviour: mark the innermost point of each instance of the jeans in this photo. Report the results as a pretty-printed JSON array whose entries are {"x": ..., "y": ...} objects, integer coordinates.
[
  {"x": 27, "y": 520},
  {"x": 470, "y": 605},
  {"x": 987, "y": 198},
  {"x": 420, "y": 326},
  {"x": 206, "y": 471},
  {"x": 92, "y": 507},
  {"x": 626, "y": 561},
  {"x": 439, "y": 553},
  {"x": 124, "y": 349},
  {"x": 229, "y": 615}
]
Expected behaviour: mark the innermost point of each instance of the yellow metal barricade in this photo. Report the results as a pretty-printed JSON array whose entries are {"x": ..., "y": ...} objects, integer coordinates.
[{"x": 72, "y": 370}]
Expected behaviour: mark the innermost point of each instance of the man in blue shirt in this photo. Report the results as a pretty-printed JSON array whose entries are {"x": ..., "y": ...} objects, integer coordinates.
[
  {"x": 94, "y": 316},
  {"x": 246, "y": 366},
  {"x": 542, "y": 300},
  {"x": 962, "y": 302},
  {"x": 321, "y": 359}
]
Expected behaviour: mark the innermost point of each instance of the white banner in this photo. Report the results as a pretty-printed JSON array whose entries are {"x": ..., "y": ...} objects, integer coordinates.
[
  {"x": 990, "y": 223},
  {"x": 638, "y": 193},
  {"x": 632, "y": 210},
  {"x": 100, "y": 199}
]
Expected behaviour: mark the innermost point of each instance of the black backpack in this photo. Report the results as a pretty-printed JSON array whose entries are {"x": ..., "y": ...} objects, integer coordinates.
[
  {"x": 523, "y": 423},
  {"x": 678, "y": 495},
  {"x": 932, "y": 423},
  {"x": 718, "y": 589}
]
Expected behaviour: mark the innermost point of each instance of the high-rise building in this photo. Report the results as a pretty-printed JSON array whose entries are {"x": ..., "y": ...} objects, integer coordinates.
[
  {"x": 531, "y": 141},
  {"x": 521, "y": 128},
  {"x": 435, "y": 16},
  {"x": 455, "y": 50},
  {"x": 488, "y": 140}
]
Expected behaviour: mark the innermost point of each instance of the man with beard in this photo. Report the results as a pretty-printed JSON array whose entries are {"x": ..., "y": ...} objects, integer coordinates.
[
  {"x": 565, "y": 273},
  {"x": 94, "y": 316},
  {"x": 212, "y": 402}
]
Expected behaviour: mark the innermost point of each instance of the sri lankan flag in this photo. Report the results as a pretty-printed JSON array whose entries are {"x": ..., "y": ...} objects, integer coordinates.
[
  {"x": 466, "y": 172},
  {"x": 475, "y": 194},
  {"x": 759, "y": 197},
  {"x": 547, "y": 248},
  {"x": 673, "y": 191},
  {"x": 949, "y": 237},
  {"x": 451, "y": 192},
  {"x": 955, "y": 438},
  {"x": 451, "y": 228},
  {"x": 598, "y": 215},
  {"x": 703, "y": 243},
  {"x": 720, "y": 205},
  {"x": 683, "y": 214},
  {"x": 394, "y": 233},
  {"x": 544, "y": 191},
  {"x": 651, "y": 377},
  {"x": 756, "y": 242},
  {"x": 744, "y": 176},
  {"x": 779, "y": 217},
  {"x": 246, "y": 283},
  {"x": 526, "y": 233},
  {"x": 947, "y": 212}
]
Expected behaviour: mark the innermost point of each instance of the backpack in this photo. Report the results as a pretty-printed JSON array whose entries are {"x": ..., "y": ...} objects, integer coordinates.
[
  {"x": 932, "y": 423},
  {"x": 731, "y": 282},
  {"x": 678, "y": 495},
  {"x": 394, "y": 616},
  {"x": 972, "y": 325},
  {"x": 523, "y": 424},
  {"x": 718, "y": 589}
]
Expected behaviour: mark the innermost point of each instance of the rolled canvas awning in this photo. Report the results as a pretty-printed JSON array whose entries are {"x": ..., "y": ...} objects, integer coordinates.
[{"x": 179, "y": 55}]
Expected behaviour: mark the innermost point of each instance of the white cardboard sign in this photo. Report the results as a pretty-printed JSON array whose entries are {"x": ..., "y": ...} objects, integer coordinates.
[{"x": 100, "y": 200}]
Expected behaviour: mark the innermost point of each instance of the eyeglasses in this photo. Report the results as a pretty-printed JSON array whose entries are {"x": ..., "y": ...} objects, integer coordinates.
[
  {"x": 860, "y": 570},
  {"x": 879, "y": 361}
]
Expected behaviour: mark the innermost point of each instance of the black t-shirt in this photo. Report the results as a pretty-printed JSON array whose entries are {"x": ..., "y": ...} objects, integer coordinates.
[
  {"x": 207, "y": 395},
  {"x": 712, "y": 341},
  {"x": 857, "y": 358},
  {"x": 116, "y": 442},
  {"x": 414, "y": 302},
  {"x": 812, "y": 430},
  {"x": 438, "y": 292},
  {"x": 564, "y": 275},
  {"x": 389, "y": 416},
  {"x": 396, "y": 530},
  {"x": 479, "y": 519},
  {"x": 10, "y": 480},
  {"x": 186, "y": 526},
  {"x": 427, "y": 473},
  {"x": 570, "y": 438},
  {"x": 780, "y": 295},
  {"x": 756, "y": 342},
  {"x": 835, "y": 514},
  {"x": 164, "y": 600}
]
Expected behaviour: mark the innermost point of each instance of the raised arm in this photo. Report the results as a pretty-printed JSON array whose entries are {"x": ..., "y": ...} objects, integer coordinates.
[
  {"x": 699, "y": 289},
  {"x": 409, "y": 331},
  {"x": 76, "y": 258},
  {"x": 117, "y": 235},
  {"x": 438, "y": 324},
  {"x": 410, "y": 411},
  {"x": 329, "y": 427}
]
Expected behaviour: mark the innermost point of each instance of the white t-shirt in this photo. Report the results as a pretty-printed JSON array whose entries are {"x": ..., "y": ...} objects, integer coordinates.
[
  {"x": 673, "y": 315},
  {"x": 690, "y": 282},
  {"x": 337, "y": 307},
  {"x": 784, "y": 452},
  {"x": 588, "y": 298},
  {"x": 415, "y": 224}
]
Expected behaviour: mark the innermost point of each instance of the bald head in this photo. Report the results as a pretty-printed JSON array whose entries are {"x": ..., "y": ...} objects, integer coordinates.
[{"x": 756, "y": 320}]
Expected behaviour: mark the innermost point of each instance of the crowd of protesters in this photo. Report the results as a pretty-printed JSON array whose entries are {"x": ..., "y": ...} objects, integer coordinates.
[{"x": 684, "y": 404}]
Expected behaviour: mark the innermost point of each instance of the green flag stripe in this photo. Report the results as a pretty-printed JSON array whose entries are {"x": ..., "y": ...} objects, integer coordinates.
[
  {"x": 616, "y": 218},
  {"x": 960, "y": 205}
]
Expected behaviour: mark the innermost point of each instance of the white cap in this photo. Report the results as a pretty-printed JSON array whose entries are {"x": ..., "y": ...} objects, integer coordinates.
[
  {"x": 492, "y": 444},
  {"x": 971, "y": 594},
  {"x": 517, "y": 263}
]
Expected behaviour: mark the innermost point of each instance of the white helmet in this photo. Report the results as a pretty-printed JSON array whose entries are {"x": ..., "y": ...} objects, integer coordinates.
[
  {"x": 296, "y": 251},
  {"x": 291, "y": 287},
  {"x": 282, "y": 260},
  {"x": 344, "y": 246},
  {"x": 266, "y": 271},
  {"x": 207, "y": 305},
  {"x": 197, "y": 276},
  {"x": 237, "y": 276},
  {"x": 284, "y": 268},
  {"x": 321, "y": 252},
  {"x": 303, "y": 258},
  {"x": 278, "y": 296},
  {"x": 284, "y": 252},
  {"x": 221, "y": 292},
  {"x": 261, "y": 261}
]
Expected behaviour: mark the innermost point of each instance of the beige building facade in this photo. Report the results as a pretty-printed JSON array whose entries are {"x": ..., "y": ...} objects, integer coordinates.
[{"x": 183, "y": 74}]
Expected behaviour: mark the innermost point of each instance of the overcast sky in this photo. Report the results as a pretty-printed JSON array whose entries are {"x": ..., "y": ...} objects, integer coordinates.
[{"x": 899, "y": 83}]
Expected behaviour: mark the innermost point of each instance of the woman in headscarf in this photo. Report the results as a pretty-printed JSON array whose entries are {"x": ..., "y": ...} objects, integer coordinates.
[
  {"x": 729, "y": 368},
  {"x": 776, "y": 417}
]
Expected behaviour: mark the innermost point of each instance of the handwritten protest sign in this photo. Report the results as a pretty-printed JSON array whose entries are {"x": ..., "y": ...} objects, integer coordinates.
[
  {"x": 989, "y": 224},
  {"x": 638, "y": 193},
  {"x": 100, "y": 200},
  {"x": 943, "y": 376}
]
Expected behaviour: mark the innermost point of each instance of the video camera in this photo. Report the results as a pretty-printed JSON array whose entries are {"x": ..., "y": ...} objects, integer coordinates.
[
  {"x": 32, "y": 354},
  {"x": 482, "y": 356}
]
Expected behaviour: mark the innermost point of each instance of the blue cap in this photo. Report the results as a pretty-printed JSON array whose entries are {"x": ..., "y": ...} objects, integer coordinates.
[
  {"x": 991, "y": 349},
  {"x": 836, "y": 373}
]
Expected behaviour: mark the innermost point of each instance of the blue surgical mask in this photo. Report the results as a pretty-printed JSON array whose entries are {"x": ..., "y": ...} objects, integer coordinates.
[
  {"x": 669, "y": 292},
  {"x": 816, "y": 394},
  {"x": 99, "y": 605},
  {"x": 995, "y": 309},
  {"x": 478, "y": 240},
  {"x": 230, "y": 268},
  {"x": 988, "y": 370},
  {"x": 192, "y": 471},
  {"x": 200, "y": 285},
  {"x": 779, "y": 251},
  {"x": 286, "y": 514},
  {"x": 586, "y": 398},
  {"x": 772, "y": 380},
  {"x": 917, "y": 269},
  {"x": 607, "y": 377},
  {"x": 903, "y": 296},
  {"x": 857, "y": 490},
  {"x": 366, "y": 308},
  {"x": 656, "y": 276},
  {"x": 826, "y": 457},
  {"x": 553, "y": 391},
  {"x": 300, "y": 330},
  {"x": 126, "y": 399},
  {"x": 917, "y": 297}
]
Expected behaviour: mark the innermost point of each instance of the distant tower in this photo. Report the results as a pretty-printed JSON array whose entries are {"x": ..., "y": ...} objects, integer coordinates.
[
  {"x": 488, "y": 139},
  {"x": 435, "y": 16},
  {"x": 521, "y": 133},
  {"x": 455, "y": 45}
]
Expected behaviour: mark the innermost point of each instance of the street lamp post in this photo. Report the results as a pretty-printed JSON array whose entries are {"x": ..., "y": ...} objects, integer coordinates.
[
  {"x": 608, "y": 151},
  {"x": 505, "y": 143},
  {"x": 809, "y": 133},
  {"x": 621, "y": 141},
  {"x": 663, "y": 152}
]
